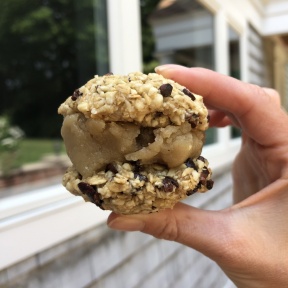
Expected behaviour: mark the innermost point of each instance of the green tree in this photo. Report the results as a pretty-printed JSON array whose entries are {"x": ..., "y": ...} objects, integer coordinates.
[{"x": 10, "y": 137}]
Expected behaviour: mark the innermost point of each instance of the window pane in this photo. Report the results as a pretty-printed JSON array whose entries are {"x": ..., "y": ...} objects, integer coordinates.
[
  {"x": 184, "y": 34},
  {"x": 48, "y": 49},
  {"x": 234, "y": 65},
  {"x": 234, "y": 53}
]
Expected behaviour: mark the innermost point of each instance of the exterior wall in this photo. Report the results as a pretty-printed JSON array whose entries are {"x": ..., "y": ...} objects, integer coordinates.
[
  {"x": 280, "y": 63},
  {"x": 263, "y": 52},
  {"x": 260, "y": 67},
  {"x": 267, "y": 20},
  {"x": 99, "y": 257},
  {"x": 177, "y": 32},
  {"x": 276, "y": 15}
]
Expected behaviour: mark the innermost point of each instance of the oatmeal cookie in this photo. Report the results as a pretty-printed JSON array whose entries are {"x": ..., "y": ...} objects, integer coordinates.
[{"x": 135, "y": 142}]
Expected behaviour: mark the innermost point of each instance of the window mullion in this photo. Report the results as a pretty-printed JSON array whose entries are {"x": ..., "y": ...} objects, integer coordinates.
[
  {"x": 125, "y": 48},
  {"x": 222, "y": 62}
]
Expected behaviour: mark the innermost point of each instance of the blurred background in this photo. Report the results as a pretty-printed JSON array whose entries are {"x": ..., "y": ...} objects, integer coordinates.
[{"x": 49, "y": 238}]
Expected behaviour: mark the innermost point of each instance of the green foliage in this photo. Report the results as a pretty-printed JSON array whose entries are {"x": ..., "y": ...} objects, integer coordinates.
[
  {"x": 10, "y": 137},
  {"x": 33, "y": 150},
  {"x": 149, "y": 67},
  {"x": 148, "y": 43}
]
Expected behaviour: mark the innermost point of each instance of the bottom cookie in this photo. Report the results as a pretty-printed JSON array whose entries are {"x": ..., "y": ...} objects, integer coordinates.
[{"x": 132, "y": 188}]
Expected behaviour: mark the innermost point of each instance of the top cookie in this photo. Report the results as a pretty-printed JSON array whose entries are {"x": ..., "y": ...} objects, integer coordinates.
[{"x": 148, "y": 100}]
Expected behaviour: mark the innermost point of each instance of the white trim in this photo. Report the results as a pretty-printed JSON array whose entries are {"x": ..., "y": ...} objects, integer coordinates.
[
  {"x": 221, "y": 156},
  {"x": 276, "y": 18},
  {"x": 212, "y": 5},
  {"x": 244, "y": 55},
  {"x": 222, "y": 63},
  {"x": 229, "y": 284},
  {"x": 221, "y": 43},
  {"x": 26, "y": 233},
  {"x": 125, "y": 48}
]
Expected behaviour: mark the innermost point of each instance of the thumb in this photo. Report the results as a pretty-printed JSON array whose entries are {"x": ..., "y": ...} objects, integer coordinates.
[{"x": 196, "y": 228}]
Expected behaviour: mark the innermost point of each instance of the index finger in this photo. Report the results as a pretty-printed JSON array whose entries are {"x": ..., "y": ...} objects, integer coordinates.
[{"x": 254, "y": 108}]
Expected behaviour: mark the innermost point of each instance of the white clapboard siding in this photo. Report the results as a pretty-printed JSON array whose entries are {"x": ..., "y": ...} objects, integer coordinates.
[
  {"x": 256, "y": 55},
  {"x": 177, "y": 32}
]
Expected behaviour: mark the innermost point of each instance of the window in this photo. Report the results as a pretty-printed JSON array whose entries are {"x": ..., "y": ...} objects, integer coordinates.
[
  {"x": 234, "y": 53},
  {"x": 184, "y": 35},
  {"x": 48, "y": 49},
  {"x": 234, "y": 64}
]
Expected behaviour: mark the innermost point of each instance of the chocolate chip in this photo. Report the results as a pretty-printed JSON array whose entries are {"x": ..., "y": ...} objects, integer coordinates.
[
  {"x": 158, "y": 114},
  {"x": 141, "y": 177},
  {"x": 76, "y": 95},
  {"x": 202, "y": 182},
  {"x": 91, "y": 192},
  {"x": 166, "y": 90},
  {"x": 145, "y": 137},
  {"x": 136, "y": 166},
  {"x": 189, "y": 94},
  {"x": 201, "y": 158},
  {"x": 86, "y": 189},
  {"x": 189, "y": 163},
  {"x": 209, "y": 184},
  {"x": 169, "y": 183},
  {"x": 193, "y": 119},
  {"x": 112, "y": 168},
  {"x": 190, "y": 192},
  {"x": 204, "y": 173},
  {"x": 108, "y": 74},
  {"x": 208, "y": 118}
]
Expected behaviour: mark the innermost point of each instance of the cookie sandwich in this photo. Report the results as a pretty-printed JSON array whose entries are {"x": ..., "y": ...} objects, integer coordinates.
[{"x": 135, "y": 143}]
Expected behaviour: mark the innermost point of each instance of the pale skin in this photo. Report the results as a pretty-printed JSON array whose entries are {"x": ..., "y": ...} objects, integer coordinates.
[{"x": 248, "y": 240}]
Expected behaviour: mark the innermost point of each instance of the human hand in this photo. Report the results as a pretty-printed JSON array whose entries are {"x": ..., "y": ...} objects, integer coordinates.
[{"x": 249, "y": 240}]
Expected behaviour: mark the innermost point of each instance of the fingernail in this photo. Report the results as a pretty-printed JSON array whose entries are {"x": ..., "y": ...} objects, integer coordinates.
[
  {"x": 162, "y": 68},
  {"x": 127, "y": 224}
]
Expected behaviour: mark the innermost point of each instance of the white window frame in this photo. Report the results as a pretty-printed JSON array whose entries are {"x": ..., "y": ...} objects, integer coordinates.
[
  {"x": 124, "y": 28},
  {"x": 223, "y": 151}
]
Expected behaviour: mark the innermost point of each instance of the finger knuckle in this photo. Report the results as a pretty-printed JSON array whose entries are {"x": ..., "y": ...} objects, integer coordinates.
[{"x": 169, "y": 229}]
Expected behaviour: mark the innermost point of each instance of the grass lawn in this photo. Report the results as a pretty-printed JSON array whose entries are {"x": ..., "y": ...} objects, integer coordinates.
[{"x": 32, "y": 150}]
